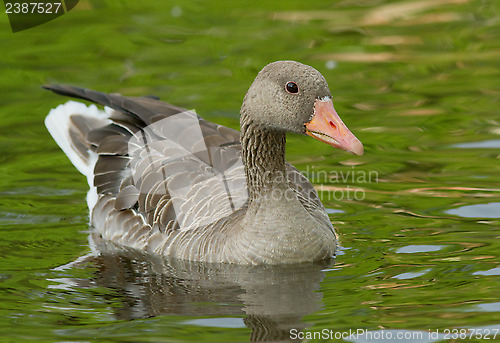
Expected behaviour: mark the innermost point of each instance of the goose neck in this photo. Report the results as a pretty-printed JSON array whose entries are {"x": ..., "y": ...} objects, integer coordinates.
[{"x": 263, "y": 151}]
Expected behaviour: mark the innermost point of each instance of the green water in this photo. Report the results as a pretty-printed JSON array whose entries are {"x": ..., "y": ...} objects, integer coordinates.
[{"x": 418, "y": 82}]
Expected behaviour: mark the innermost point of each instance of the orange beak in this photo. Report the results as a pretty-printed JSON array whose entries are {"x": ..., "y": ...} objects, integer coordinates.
[{"x": 326, "y": 126}]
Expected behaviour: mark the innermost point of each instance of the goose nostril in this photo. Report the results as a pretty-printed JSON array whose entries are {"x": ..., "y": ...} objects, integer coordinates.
[{"x": 332, "y": 124}]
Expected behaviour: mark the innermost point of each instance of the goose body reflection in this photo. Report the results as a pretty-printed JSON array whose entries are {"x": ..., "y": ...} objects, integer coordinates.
[{"x": 270, "y": 299}]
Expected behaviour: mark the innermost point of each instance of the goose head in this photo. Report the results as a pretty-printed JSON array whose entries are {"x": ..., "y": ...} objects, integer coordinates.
[{"x": 293, "y": 97}]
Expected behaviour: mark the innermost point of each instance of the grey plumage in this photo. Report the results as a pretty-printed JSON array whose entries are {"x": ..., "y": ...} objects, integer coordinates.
[{"x": 172, "y": 183}]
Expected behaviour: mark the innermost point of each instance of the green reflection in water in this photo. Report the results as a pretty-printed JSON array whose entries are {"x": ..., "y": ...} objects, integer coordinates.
[{"x": 412, "y": 79}]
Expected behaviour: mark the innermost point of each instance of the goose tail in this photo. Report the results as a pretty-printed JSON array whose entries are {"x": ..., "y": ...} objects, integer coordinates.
[{"x": 69, "y": 125}]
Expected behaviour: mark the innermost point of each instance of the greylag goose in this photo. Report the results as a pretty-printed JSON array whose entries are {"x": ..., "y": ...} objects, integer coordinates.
[{"x": 164, "y": 180}]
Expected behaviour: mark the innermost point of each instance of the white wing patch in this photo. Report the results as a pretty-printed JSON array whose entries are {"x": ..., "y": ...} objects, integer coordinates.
[{"x": 58, "y": 124}]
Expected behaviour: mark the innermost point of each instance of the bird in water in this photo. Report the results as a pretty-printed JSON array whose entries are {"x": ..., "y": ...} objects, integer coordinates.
[{"x": 164, "y": 180}]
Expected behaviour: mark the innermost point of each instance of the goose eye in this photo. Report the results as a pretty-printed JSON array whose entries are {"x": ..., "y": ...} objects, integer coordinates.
[{"x": 291, "y": 87}]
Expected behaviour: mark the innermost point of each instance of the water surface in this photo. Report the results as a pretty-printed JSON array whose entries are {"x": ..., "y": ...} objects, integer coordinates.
[{"x": 418, "y": 214}]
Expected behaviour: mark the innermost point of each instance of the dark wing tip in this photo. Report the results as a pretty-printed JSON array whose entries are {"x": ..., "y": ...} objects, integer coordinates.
[{"x": 71, "y": 91}]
